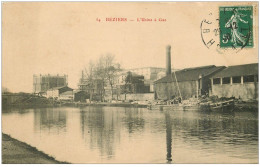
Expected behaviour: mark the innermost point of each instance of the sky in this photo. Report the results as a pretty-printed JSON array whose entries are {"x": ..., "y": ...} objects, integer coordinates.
[{"x": 62, "y": 37}]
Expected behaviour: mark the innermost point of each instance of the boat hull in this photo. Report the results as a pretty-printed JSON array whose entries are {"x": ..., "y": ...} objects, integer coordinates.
[
  {"x": 179, "y": 107},
  {"x": 224, "y": 106}
]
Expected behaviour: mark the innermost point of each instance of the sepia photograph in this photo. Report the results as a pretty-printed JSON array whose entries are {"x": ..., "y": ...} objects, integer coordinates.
[{"x": 130, "y": 82}]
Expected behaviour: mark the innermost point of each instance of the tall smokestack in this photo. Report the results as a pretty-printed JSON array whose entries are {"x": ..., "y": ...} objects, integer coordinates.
[{"x": 168, "y": 60}]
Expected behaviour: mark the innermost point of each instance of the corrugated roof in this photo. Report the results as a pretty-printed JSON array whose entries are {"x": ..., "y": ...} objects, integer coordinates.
[
  {"x": 190, "y": 74},
  {"x": 238, "y": 70}
]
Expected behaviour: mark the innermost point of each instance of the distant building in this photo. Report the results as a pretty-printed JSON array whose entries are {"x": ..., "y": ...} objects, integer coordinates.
[
  {"x": 150, "y": 74},
  {"x": 192, "y": 82},
  {"x": 81, "y": 96},
  {"x": 240, "y": 81},
  {"x": 60, "y": 93},
  {"x": 41, "y": 83},
  {"x": 133, "y": 84}
]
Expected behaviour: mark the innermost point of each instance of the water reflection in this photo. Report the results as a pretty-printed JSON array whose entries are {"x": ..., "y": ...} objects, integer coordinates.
[
  {"x": 100, "y": 128},
  {"x": 217, "y": 132},
  {"x": 50, "y": 119},
  {"x": 115, "y": 134},
  {"x": 9, "y": 110},
  {"x": 168, "y": 136},
  {"x": 134, "y": 120}
]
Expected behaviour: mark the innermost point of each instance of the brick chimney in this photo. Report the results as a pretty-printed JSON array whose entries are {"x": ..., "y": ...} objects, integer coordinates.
[{"x": 168, "y": 60}]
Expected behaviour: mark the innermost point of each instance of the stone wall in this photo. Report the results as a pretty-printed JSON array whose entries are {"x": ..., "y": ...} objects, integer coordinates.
[
  {"x": 166, "y": 91},
  {"x": 245, "y": 91}
]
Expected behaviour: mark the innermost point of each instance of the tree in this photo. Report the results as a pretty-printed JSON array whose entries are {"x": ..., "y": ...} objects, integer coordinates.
[
  {"x": 102, "y": 72},
  {"x": 128, "y": 82},
  {"x": 106, "y": 71},
  {"x": 87, "y": 81},
  {"x": 111, "y": 70}
]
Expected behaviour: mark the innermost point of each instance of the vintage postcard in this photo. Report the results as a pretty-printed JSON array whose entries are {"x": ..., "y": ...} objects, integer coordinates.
[{"x": 130, "y": 82}]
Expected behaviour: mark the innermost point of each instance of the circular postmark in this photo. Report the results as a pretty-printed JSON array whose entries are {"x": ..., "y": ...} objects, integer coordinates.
[{"x": 230, "y": 30}]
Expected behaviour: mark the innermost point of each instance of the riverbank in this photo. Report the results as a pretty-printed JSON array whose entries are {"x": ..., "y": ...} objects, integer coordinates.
[
  {"x": 246, "y": 106},
  {"x": 17, "y": 152},
  {"x": 123, "y": 104},
  {"x": 240, "y": 106}
]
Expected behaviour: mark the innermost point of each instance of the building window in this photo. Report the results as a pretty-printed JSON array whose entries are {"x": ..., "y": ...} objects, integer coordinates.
[
  {"x": 216, "y": 81},
  {"x": 226, "y": 80},
  {"x": 248, "y": 78},
  {"x": 236, "y": 79}
]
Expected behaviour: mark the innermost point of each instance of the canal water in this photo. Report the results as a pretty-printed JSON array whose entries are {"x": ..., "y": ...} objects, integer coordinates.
[{"x": 136, "y": 135}]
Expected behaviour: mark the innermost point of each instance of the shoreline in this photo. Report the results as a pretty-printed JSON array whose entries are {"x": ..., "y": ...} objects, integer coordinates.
[
  {"x": 246, "y": 106},
  {"x": 76, "y": 104},
  {"x": 18, "y": 152}
]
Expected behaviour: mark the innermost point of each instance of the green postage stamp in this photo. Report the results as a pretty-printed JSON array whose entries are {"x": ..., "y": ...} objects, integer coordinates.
[{"x": 236, "y": 26}]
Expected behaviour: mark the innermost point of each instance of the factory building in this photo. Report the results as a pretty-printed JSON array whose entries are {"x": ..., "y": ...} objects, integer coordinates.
[
  {"x": 135, "y": 83},
  {"x": 81, "y": 96},
  {"x": 60, "y": 93},
  {"x": 186, "y": 83},
  {"x": 150, "y": 74},
  {"x": 42, "y": 83},
  {"x": 240, "y": 81}
]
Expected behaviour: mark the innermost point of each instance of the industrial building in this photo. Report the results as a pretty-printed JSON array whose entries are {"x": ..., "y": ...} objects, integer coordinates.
[
  {"x": 135, "y": 83},
  {"x": 186, "y": 83},
  {"x": 81, "y": 96},
  {"x": 60, "y": 93},
  {"x": 41, "y": 83},
  {"x": 150, "y": 74},
  {"x": 191, "y": 82},
  {"x": 240, "y": 81}
]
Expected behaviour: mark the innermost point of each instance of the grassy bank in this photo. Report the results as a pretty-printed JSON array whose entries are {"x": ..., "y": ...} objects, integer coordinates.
[{"x": 17, "y": 152}]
